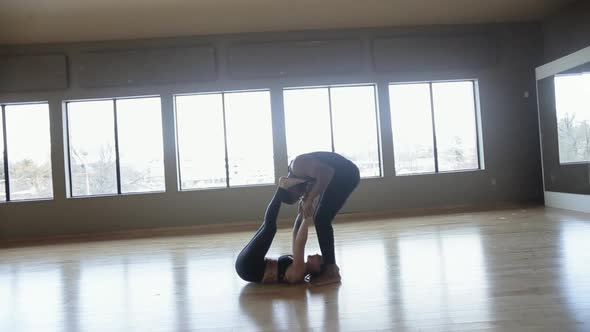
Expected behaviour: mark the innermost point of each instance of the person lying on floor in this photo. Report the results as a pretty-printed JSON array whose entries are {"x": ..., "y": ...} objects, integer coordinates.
[{"x": 252, "y": 265}]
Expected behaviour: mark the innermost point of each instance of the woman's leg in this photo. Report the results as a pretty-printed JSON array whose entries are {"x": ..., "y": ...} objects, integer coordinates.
[
  {"x": 330, "y": 203},
  {"x": 251, "y": 263}
]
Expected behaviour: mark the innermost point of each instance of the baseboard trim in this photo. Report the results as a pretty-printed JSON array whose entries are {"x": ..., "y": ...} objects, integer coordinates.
[{"x": 575, "y": 202}]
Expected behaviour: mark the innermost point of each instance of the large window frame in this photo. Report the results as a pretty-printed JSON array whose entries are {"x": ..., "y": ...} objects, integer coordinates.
[
  {"x": 478, "y": 127},
  {"x": 68, "y": 147},
  {"x": 228, "y": 184},
  {"x": 6, "y": 167},
  {"x": 374, "y": 86}
]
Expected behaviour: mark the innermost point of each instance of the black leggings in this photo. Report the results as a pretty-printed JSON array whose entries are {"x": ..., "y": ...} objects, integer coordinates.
[
  {"x": 332, "y": 200},
  {"x": 251, "y": 262}
]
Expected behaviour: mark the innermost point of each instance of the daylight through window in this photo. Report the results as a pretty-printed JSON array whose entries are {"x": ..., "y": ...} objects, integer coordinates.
[
  {"x": 339, "y": 119},
  {"x": 224, "y": 139},
  {"x": 434, "y": 127},
  {"x": 115, "y": 146},
  {"x": 26, "y": 152},
  {"x": 572, "y": 101}
]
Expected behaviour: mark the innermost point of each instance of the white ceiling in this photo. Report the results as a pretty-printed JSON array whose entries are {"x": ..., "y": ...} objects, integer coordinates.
[{"x": 39, "y": 21}]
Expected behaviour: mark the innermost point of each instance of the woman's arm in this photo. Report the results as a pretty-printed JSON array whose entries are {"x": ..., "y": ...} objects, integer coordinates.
[
  {"x": 308, "y": 167},
  {"x": 296, "y": 271},
  {"x": 297, "y": 225}
]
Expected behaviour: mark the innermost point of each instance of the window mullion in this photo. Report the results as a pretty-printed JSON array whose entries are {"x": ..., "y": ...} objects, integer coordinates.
[
  {"x": 176, "y": 144},
  {"x": 476, "y": 117},
  {"x": 377, "y": 130},
  {"x": 5, "y": 156},
  {"x": 67, "y": 127},
  {"x": 117, "y": 162},
  {"x": 331, "y": 119},
  {"x": 433, "y": 129},
  {"x": 225, "y": 140}
]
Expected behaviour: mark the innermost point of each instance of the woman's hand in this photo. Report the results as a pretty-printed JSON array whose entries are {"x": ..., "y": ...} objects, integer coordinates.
[
  {"x": 300, "y": 207},
  {"x": 306, "y": 208}
]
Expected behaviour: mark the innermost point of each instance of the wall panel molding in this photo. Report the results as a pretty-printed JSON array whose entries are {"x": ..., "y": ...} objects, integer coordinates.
[
  {"x": 293, "y": 58},
  {"x": 40, "y": 72},
  {"x": 145, "y": 66},
  {"x": 428, "y": 52}
]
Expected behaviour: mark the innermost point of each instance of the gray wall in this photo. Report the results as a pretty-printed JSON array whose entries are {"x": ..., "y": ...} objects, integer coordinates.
[
  {"x": 567, "y": 30},
  {"x": 501, "y": 57},
  {"x": 564, "y": 32}
]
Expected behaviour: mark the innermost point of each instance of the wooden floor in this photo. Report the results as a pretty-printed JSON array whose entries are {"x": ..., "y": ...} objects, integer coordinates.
[{"x": 508, "y": 270}]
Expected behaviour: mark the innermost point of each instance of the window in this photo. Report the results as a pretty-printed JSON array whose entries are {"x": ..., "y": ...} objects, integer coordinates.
[
  {"x": 224, "y": 139},
  {"x": 115, "y": 146},
  {"x": 26, "y": 145},
  {"x": 572, "y": 102},
  {"x": 412, "y": 128},
  {"x": 434, "y": 127},
  {"x": 338, "y": 119}
]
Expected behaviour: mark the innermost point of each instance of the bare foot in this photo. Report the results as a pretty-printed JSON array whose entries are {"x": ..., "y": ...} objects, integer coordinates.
[{"x": 330, "y": 275}]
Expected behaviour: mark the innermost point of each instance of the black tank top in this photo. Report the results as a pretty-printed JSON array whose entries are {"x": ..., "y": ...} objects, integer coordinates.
[
  {"x": 332, "y": 159},
  {"x": 282, "y": 265}
]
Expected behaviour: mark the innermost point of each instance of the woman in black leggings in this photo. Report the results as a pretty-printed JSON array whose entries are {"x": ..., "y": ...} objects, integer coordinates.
[
  {"x": 332, "y": 178},
  {"x": 252, "y": 265}
]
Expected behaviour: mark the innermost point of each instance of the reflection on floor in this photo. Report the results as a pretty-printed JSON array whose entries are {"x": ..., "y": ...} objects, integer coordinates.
[{"x": 509, "y": 270}]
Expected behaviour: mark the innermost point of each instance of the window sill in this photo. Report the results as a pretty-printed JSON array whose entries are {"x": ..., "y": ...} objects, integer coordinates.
[
  {"x": 574, "y": 163},
  {"x": 118, "y": 195},
  {"x": 16, "y": 201},
  {"x": 443, "y": 172},
  {"x": 271, "y": 184}
]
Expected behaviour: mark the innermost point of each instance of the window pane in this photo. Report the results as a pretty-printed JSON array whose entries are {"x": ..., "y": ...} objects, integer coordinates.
[
  {"x": 572, "y": 100},
  {"x": 92, "y": 147},
  {"x": 29, "y": 151},
  {"x": 411, "y": 122},
  {"x": 139, "y": 124},
  {"x": 201, "y": 145},
  {"x": 249, "y": 138},
  {"x": 307, "y": 121},
  {"x": 2, "y": 175},
  {"x": 355, "y": 127},
  {"x": 456, "y": 133}
]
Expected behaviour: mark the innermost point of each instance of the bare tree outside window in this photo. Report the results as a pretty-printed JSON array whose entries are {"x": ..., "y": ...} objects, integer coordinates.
[
  {"x": 455, "y": 125},
  {"x": 28, "y": 146},
  {"x": 115, "y": 154},
  {"x": 572, "y": 101},
  {"x": 92, "y": 148},
  {"x": 434, "y": 127}
]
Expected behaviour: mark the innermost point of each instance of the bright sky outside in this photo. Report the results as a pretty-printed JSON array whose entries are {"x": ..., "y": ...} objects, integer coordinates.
[
  {"x": 455, "y": 125},
  {"x": 572, "y": 96},
  {"x": 27, "y": 132},
  {"x": 200, "y": 127}
]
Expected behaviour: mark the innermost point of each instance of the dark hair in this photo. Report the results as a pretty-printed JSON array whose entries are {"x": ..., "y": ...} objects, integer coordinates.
[{"x": 316, "y": 274}]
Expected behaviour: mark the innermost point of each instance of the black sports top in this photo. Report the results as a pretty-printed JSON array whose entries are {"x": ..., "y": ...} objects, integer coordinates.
[
  {"x": 283, "y": 263},
  {"x": 334, "y": 160}
]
